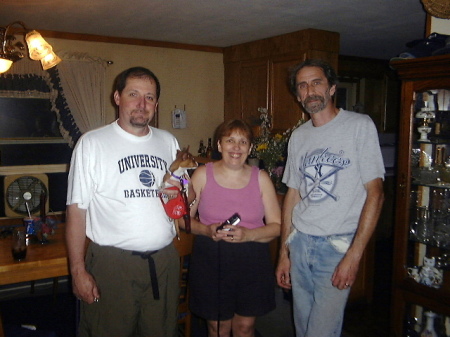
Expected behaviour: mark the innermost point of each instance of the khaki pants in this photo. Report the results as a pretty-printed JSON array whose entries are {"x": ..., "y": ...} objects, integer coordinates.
[{"x": 126, "y": 307}]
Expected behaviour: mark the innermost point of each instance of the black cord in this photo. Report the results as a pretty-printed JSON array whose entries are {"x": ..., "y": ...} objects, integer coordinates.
[{"x": 218, "y": 289}]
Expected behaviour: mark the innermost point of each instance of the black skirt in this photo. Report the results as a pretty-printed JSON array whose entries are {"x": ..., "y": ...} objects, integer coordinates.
[{"x": 230, "y": 278}]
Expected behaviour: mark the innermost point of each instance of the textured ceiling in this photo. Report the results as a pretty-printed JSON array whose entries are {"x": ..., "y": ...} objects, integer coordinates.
[{"x": 368, "y": 28}]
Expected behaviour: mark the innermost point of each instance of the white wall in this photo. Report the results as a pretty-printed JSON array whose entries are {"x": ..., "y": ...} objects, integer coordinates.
[
  {"x": 441, "y": 26},
  {"x": 194, "y": 79}
]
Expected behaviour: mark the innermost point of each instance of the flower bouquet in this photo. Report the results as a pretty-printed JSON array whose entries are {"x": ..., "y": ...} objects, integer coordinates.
[{"x": 271, "y": 149}]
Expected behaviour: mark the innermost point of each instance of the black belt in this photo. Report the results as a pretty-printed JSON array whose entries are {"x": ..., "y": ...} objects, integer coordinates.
[{"x": 152, "y": 270}]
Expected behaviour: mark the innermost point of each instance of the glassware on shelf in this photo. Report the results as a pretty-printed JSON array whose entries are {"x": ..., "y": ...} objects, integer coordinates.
[
  {"x": 443, "y": 261},
  {"x": 443, "y": 117},
  {"x": 422, "y": 169},
  {"x": 434, "y": 172},
  {"x": 415, "y": 164},
  {"x": 440, "y": 207},
  {"x": 442, "y": 113},
  {"x": 429, "y": 175},
  {"x": 439, "y": 165},
  {"x": 410, "y": 327},
  {"x": 445, "y": 177},
  {"x": 421, "y": 229},
  {"x": 413, "y": 198},
  {"x": 441, "y": 236}
]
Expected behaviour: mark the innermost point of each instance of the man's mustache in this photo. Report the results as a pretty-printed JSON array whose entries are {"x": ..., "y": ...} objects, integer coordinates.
[{"x": 314, "y": 98}]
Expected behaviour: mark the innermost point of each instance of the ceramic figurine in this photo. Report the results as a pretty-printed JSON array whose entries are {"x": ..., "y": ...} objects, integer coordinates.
[
  {"x": 429, "y": 274},
  {"x": 429, "y": 330},
  {"x": 424, "y": 128},
  {"x": 413, "y": 272},
  {"x": 426, "y": 115}
]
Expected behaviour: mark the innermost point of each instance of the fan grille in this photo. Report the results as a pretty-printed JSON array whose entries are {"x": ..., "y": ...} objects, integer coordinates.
[{"x": 24, "y": 191}]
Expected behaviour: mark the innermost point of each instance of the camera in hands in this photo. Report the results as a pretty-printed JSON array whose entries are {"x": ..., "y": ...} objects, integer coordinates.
[{"x": 233, "y": 220}]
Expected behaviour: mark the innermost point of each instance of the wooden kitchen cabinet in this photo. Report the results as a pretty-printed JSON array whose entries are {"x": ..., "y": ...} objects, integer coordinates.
[
  {"x": 256, "y": 75},
  {"x": 422, "y": 228}
]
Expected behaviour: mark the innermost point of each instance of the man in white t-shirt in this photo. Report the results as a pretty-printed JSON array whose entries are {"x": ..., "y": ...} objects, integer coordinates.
[
  {"x": 128, "y": 282},
  {"x": 334, "y": 172}
]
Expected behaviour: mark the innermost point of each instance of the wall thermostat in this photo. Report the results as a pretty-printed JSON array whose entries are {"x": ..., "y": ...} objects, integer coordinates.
[{"x": 178, "y": 119}]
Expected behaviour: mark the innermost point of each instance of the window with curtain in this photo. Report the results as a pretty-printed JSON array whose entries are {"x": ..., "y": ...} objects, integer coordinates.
[
  {"x": 27, "y": 104},
  {"x": 43, "y": 114}
]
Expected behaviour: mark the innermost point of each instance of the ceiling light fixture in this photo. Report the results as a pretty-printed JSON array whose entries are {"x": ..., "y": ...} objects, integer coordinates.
[{"x": 12, "y": 51}]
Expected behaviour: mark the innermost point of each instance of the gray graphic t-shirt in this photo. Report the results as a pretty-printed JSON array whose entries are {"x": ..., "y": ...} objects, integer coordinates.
[{"x": 329, "y": 165}]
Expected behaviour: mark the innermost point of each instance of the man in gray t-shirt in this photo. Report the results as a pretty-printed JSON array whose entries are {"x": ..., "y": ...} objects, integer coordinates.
[{"x": 335, "y": 177}]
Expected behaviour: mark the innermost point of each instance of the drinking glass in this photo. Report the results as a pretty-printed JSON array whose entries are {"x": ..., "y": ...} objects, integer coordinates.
[{"x": 19, "y": 245}]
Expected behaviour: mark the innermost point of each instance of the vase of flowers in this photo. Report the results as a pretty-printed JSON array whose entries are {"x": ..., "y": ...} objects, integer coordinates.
[{"x": 271, "y": 149}]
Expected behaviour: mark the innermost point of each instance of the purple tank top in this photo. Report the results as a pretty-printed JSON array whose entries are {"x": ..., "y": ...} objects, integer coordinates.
[{"x": 218, "y": 203}]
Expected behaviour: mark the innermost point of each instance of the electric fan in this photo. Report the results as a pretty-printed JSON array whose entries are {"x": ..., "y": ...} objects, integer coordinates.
[{"x": 23, "y": 193}]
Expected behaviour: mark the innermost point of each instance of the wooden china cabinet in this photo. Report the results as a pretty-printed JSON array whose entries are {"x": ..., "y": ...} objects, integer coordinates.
[{"x": 422, "y": 229}]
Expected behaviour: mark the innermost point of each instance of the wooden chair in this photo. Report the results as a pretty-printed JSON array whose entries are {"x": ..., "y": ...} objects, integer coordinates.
[{"x": 184, "y": 248}]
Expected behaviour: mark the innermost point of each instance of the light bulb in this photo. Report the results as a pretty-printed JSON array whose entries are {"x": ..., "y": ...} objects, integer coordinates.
[
  {"x": 5, "y": 64},
  {"x": 37, "y": 46},
  {"x": 50, "y": 61}
]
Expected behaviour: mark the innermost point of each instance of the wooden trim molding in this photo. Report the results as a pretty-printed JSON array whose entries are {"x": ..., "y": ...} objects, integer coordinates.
[
  {"x": 122, "y": 40},
  {"x": 428, "y": 25},
  {"x": 33, "y": 169}
]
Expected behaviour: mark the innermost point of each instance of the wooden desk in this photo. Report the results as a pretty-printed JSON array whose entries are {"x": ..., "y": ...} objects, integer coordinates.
[{"x": 42, "y": 261}]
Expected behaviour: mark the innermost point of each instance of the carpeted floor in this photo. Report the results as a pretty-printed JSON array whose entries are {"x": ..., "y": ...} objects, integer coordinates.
[{"x": 57, "y": 314}]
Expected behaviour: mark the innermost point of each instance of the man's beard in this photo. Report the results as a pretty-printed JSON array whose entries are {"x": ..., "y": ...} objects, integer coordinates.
[
  {"x": 139, "y": 121},
  {"x": 316, "y": 106}
]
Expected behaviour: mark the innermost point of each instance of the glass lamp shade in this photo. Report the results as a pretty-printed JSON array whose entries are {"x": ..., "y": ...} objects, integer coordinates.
[
  {"x": 5, "y": 64},
  {"x": 50, "y": 61},
  {"x": 37, "y": 46}
]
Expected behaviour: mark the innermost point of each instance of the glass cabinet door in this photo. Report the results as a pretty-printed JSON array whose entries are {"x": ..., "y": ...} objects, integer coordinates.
[
  {"x": 428, "y": 247},
  {"x": 421, "y": 274},
  {"x": 429, "y": 227}
]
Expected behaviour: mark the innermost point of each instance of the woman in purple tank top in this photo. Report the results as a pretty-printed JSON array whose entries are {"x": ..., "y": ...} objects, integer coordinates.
[{"x": 231, "y": 272}]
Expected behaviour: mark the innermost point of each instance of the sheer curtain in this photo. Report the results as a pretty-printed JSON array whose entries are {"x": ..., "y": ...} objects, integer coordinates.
[
  {"x": 76, "y": 89},
  {"x": 83, "y": 80}
]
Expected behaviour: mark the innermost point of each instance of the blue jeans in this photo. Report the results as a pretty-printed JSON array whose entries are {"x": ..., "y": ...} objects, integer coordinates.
[{"x": 318, "y": 306}]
